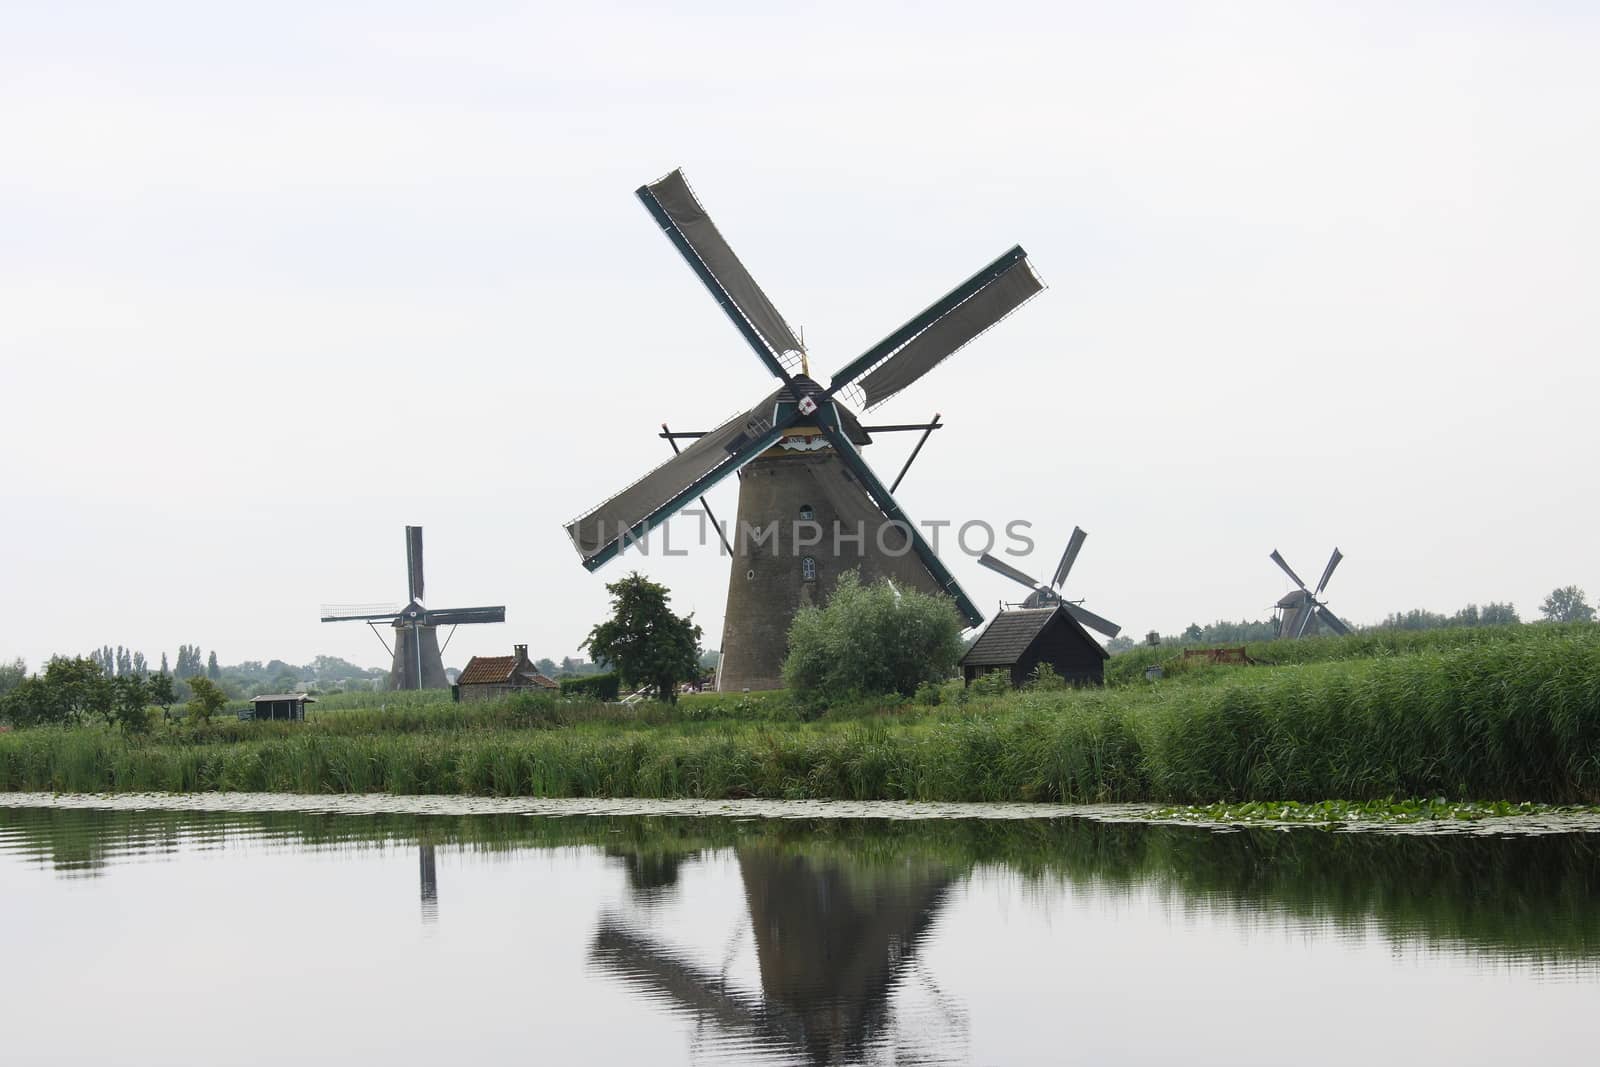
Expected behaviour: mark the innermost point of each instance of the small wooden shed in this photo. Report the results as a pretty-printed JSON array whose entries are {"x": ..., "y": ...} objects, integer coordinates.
[
  {"x": 490, "y": 677},
  {"x": 290, "y": 706},
  {"x": 1017, "y": 641}
]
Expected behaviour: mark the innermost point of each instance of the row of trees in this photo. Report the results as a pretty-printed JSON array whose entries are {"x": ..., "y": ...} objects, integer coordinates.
[{"x": 78, "y": 689}]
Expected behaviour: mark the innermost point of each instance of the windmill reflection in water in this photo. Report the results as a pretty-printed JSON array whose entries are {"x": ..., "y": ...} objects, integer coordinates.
[{"x": 834, "y": 943}]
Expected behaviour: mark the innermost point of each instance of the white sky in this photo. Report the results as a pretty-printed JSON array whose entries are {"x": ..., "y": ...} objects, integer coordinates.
[{"x": 276, "y": 282}]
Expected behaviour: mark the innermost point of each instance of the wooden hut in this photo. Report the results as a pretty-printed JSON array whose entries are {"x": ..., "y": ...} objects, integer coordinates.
[
  {"x": 290, "y": 706},
  {"x": 1018, "y": 641},
  {"x": 489, "y": 677}
]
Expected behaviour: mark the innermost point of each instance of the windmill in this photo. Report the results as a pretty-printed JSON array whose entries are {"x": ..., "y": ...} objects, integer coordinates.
[
  {"x": 417, "y": 658},
  {"x": 1045, "y": 596},
  {"x": 796, "y": 452},
  {"x": 1302, "y": 609}
]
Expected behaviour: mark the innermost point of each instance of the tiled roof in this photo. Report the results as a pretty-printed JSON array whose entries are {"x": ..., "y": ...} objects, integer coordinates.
[
  {"x": 540, "y": 680},
  {"x": 1005, "y": 639},
  {"x": 488, "y": 670}
]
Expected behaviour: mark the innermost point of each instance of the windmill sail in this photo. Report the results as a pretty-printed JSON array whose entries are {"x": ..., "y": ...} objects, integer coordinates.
[
  {"x": 414, "y": 563},
  {"x": 885, "y": 504},
  {"x": 942, "y": 328},
  {"x": 1333, "y": 561},
  {"x": 673, "y": 204},
  {"x": 1091, "y": 620},
  {"x": 1002, "y": 567},
  {"x": 1279, "y": 560},
  {"x": 603, "y": 532},
  {"x": 1074, "y": 545}
]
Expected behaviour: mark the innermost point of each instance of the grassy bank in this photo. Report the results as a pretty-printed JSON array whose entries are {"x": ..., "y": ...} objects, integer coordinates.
[{"x": 1506, "y": 714}]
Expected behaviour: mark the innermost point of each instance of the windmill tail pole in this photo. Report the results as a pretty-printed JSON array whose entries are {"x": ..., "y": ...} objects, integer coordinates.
[
  {"x": 926, "y": 433},
  {"x": 721, "y": 534}
]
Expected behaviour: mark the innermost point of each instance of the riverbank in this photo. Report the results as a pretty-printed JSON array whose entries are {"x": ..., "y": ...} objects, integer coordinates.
[{"x": 1507, "y": 716}]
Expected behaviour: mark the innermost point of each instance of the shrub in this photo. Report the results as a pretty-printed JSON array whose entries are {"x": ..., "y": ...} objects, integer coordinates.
[
  {"x": 871, "y": 639},
  {"x": 594, "y": 686}
]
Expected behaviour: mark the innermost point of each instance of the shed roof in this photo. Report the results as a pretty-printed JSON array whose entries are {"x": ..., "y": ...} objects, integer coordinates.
[
  {"x": 1009, "y": 636},
  {"x": 265, "y": 697},
  {"x": 488, "y": 670}
]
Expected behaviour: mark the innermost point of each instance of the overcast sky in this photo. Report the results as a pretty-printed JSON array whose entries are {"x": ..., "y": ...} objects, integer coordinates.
[{"x": 277, "y": 280}]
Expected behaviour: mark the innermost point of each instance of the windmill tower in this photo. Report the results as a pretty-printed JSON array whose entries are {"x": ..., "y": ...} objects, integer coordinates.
[
  {"x": 417, "y": 659},
  {"x": 1301, "y": 610},
  {"x": 797, "y": 452},
  {"x": 1046, "y": 596}
]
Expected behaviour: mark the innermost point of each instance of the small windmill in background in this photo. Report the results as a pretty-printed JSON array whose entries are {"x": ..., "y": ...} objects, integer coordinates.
[
  {"x": 1301, "y": 610},
  {"x": 418, "y": 660},
  {"x": 1044, "y": 596}
]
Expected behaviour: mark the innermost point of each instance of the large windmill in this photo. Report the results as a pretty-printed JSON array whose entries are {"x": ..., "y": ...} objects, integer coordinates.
[
  {"x": 797, "y": 452},
  {"x": 1300, "y": 610},
  {"x": 417, "y": 660},
  {"x": 1047, "y": 596}
]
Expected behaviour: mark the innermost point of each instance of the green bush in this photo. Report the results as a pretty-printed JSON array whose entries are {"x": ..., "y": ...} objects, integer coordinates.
[
  {"x": 594, "y": 686},
  {"x": 869, "y": 640}
]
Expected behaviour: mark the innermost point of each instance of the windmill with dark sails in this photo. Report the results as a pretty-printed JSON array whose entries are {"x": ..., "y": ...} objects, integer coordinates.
[
  {"x": 1044, "y": 595},
  {"x": 1301, "y": 611},
  {"x": 797, "y": 451},
  {"x": 418, "y": 661}
]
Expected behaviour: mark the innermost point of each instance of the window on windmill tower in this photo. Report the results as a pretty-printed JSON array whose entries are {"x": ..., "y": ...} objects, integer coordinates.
[
  {"x": 807, "y": 513},
  {"x": 808, "y": 569}
]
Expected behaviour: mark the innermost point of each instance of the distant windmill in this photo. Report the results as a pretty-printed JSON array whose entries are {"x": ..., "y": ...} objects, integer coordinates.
[
  {"x": 417, "y": 659},
  {"x": 1302, "y": 609},
  {"x": 1044, "y": 596}
]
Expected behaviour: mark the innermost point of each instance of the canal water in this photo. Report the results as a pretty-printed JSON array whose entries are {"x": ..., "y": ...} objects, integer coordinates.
[{"x": 133, "y": 936}]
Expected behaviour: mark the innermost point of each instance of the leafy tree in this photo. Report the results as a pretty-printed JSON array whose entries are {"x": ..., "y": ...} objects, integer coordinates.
[
  {"x": 1566, "y": 605},
  {"x": 871, "y": 640},
  {"x": 1194, "y": 633},
  {"x": 208, "y": 698},
  {"x": 12, "y": 675},
  {"x": 78, "y": 688},
  {"x": 1498, "y": 615},
  {"x": 124, "y": 662},
  {"x": 647, "y": 643},
  {"x": 213, "y": 671},
  {"x": 141, "y": 666},
  {"x": 545, "y": 666},
  {"x": 160, "y": 691},
  {"x": 130, "y": 696},
  {"x": 164, "y": 668}
]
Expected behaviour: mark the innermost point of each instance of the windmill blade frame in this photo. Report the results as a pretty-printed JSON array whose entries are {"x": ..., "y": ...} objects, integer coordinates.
[
  {"x": 414, "y": 564},
  {"x": 464, "y": 616},
  {"x": 1333, "y": 561},
  {"x": 1279, "y": 560},
  {"x": 1332, "y": 621},
  {"x": 1088, "y": 618},
  {"x": 625, "y": 517},
  {"x": 1001, "y": 567},
  {"x": 1070, "y": 556},
  {"x": 894, "y": 513},
  {"x": 672, "y": 203},
  {"x": 941, "y": 329}
]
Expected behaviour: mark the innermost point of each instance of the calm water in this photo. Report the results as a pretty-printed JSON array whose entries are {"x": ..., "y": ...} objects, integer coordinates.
[{"x": 174, "y": 937}]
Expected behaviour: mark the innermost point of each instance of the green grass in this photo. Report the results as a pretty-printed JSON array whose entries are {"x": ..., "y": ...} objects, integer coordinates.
[{"x": 1507, "y": 713}]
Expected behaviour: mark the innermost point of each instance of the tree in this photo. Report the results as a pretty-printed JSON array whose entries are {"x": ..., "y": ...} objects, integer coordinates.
[
  {"x": 1494, "y": 614},
  {"x": 1194, "y": 633},
  {"x": 644, "y": 640},
  {"x": 871, "y": 640},
  {"x": 141, "y": 666},
  {"x": 545, "y": 666},
  {"x": 124, "y": 662},
  {"x": 208, "y": 698},
  {"x": 130, "y": 697},
  {"x": 164, "y": 668},
  {"x": 12, "y": 675},
  {"x": 213, "y": 671},
  {"x": 160, "y": 690},
  {"x": 1566, "y": 605}
]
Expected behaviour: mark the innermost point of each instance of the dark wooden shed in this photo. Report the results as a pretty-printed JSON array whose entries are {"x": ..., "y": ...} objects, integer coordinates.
[
  {"x": 1019, "y": 640},
  {"x": 291, "y": 706}
]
